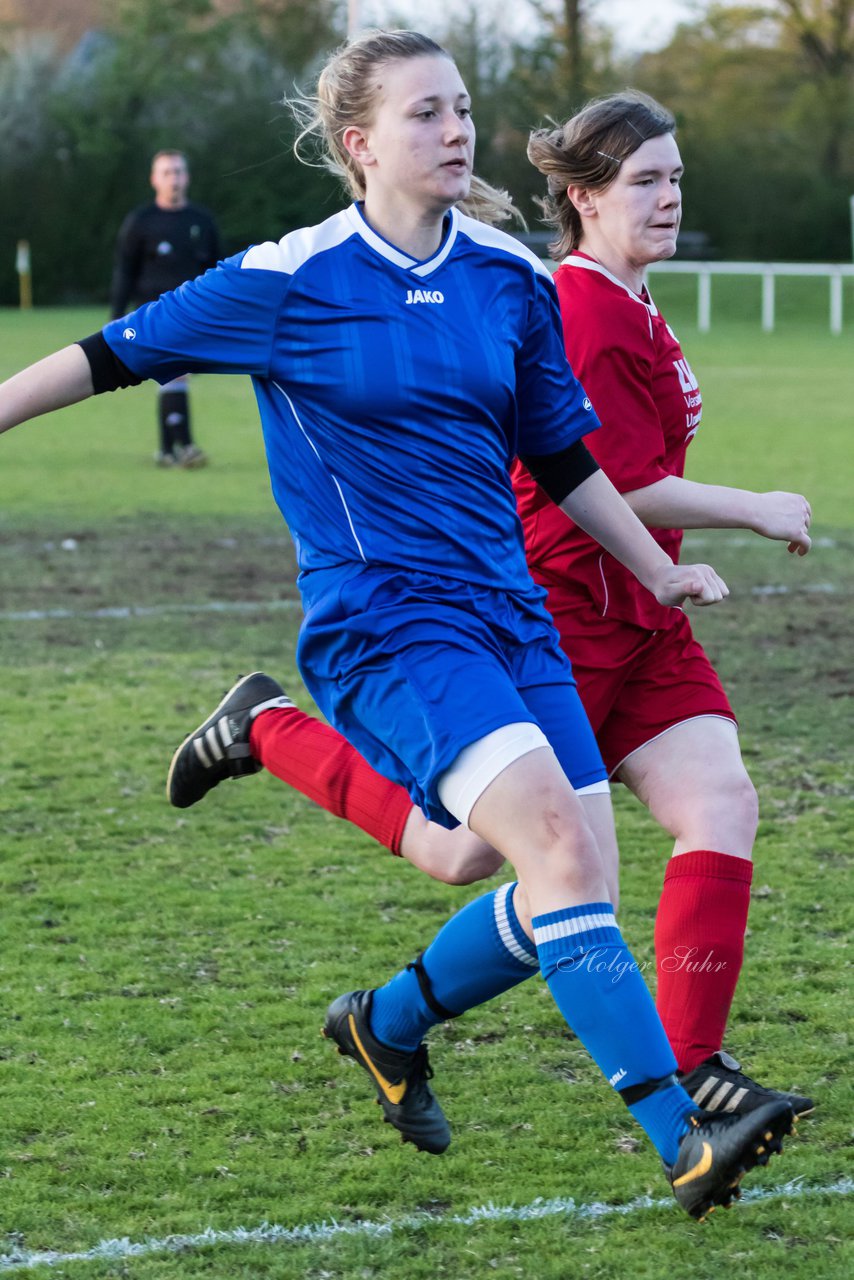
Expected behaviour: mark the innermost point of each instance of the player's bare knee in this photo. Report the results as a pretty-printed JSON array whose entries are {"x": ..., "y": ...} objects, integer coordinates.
[
  {"x": 747, "y": 802},
  {"x": 470, "y": 865},
  {"x": 456, "y": 857},
  {"x": 563, "y": 851},
  {"x": 722, "y": 814},
  {"x": 732, "y": 802}
]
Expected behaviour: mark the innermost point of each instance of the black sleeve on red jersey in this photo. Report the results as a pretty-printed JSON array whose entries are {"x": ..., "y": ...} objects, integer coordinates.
[
  {"x": 559, "y": 473},
  {"x": 108, "y": 372}
]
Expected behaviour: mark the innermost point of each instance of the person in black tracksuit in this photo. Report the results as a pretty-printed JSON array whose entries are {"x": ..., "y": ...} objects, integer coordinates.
[{"x": 159, "y": 246}]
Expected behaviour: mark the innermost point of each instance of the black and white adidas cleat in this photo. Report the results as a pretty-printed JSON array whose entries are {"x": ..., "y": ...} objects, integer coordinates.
[
  {"x": 719, "y": 1084},
  {"x": 219, "y": 748}
]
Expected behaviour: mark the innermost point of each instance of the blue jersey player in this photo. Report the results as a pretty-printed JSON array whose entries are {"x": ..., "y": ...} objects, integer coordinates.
[{"x": 402, "y": 354}]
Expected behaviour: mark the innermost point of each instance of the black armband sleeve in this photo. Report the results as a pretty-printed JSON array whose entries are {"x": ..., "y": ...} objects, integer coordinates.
[
  {"x": 560, "y": 473},
  {"x": 108, "y": 372}
]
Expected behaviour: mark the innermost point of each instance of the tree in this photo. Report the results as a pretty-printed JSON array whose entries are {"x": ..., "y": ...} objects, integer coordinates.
[
  {"x": 77, "y": 129},
  {"x": 753, "y": 133},
  {"x": 823, "y": 33},
  {"x": 568, "y": 26},
  {"x": 762, "y": 92}
]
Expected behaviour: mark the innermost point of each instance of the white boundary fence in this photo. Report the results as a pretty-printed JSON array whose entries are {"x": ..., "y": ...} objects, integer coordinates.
[{"x": 834, "y": 272}]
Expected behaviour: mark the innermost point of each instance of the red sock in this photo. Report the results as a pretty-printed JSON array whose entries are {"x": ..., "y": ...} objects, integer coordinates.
[
  {"x": 319, "y": 762},
  {"x": 699, "y": 948}
]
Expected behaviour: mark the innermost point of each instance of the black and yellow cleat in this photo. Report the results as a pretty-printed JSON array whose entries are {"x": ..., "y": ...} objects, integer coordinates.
[
  {"x": 219, "y": 748},
  {"x": 718, "y": 1150},
  {"x": 400, "y": 1078},
  {"x": 719, "y": 1084}
]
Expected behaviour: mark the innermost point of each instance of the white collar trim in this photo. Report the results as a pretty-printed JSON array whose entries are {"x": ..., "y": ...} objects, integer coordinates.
[
  {"x": 392, "y": 254},
  {"x": 576, "y": 260}
]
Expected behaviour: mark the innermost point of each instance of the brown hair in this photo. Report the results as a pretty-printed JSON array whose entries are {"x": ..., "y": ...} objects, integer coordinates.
[
  {"x": 346, "y": 93},
  {"x": 588, "y": 150}
]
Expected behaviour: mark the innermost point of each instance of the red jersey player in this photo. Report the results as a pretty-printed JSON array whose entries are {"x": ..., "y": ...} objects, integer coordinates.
[
  {"x": 616, "y": 631},
  {"x": 662, "y": 719}
]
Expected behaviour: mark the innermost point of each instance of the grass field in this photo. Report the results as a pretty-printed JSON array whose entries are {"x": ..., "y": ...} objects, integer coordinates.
[{"x": 163, "y": 975}]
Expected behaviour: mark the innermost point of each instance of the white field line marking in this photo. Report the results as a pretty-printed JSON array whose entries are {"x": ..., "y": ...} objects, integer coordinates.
[
  {"x": 226, "y": 607},
  {"x": 322, "y": 1232},
  {"x": 808, "y": 589},
  {"x": 693, "y": 538},
  {"x": 152, "y": 610}
]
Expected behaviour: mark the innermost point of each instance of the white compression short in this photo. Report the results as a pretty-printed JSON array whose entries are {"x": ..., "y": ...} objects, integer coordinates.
[{"x": 480, "y": 763}]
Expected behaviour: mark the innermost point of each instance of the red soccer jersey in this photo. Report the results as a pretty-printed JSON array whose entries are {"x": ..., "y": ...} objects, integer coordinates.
[{"x": 631, "y": 365}]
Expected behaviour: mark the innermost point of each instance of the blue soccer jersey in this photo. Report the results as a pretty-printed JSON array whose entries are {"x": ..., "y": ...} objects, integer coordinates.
[{"x": 393, "y": 393}]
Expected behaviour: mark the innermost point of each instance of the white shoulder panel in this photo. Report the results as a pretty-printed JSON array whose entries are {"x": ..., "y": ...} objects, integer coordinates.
[
  {"x": 295, "y": 249},
  {"x": 493, "y": 238}
]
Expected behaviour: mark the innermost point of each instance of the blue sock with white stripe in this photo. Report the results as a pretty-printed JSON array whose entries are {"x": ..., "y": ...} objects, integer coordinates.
[
  {"x": 481, "y": 952},
  {"x": 599, "y": 990}
]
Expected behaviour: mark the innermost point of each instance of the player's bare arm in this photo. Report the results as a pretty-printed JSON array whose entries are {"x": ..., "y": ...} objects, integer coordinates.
[
  {"x": 60, "y": 379},
  {"x": 600, "y": 510},
  {"x": 675, "y": 503}
]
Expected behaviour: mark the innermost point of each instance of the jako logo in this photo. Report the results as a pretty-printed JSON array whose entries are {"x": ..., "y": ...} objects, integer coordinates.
[
  {"x": 130, "y": 334},
  {"x": 423, "y": 295}
]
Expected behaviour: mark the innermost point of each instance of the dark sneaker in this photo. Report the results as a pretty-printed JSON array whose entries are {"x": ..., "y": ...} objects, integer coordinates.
[
  {"x": 718, "y": 1150},
  {"x": 219, "y": 748},
  {"x": 400, "y": 1078},
  {"x": 719, "y": 1084}
]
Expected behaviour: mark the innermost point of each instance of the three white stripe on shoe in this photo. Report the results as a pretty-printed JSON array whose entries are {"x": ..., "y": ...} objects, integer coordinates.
[
  {"x": 720, "y": 1099},
  {"x": 214, "y": 743}
]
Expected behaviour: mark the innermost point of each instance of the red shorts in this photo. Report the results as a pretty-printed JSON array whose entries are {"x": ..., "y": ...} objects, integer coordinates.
[{"x": 635, "y": 684}]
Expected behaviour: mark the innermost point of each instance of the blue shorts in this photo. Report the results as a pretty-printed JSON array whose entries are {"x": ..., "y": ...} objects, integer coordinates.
[{"x": 412, "y": 669}]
